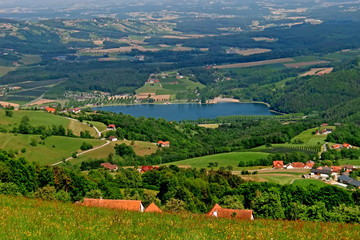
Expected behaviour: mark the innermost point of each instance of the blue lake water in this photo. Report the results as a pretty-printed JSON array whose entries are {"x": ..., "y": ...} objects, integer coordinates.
[{"x": 177, "y": 112}]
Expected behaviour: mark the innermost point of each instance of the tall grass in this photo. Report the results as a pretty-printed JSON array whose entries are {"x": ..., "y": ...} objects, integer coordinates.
[{"x": 22, "y": 218}]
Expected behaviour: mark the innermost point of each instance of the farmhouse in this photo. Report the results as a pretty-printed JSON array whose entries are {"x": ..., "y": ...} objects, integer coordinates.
[
  {"x": 130, "y": 205},
  {"x": 295, "y": 165},
  {"x": 153, "y": 208},
  {"x": 74, "y": 110},
  {"x": 278, "y": 164},
  {"x": 163, "y": 143},
  {"x": 111, "y": 127},
  {"x": 218, "y": 211},
  {"x": 50, "y": 110},
  {"x": 109, "y": 166},
  {"x": 113, "y": 138}
]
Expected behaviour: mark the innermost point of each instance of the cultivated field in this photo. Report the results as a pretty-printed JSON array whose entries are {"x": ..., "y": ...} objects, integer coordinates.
[
  {"x": 317, "y": 71},
  {"x": 257, "y": 63},
  {"x": 37, "y": 219},
  {"x": 301, "y": 64},
  {"x": 224, "y": 160},
  {"x": 248, "y": 52},
  {"x": 309, "y": 138},
  {"x": 308, "y": 182}
]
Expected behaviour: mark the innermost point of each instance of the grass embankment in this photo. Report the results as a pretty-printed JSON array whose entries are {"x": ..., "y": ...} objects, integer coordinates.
[
  {"x": 35, "y": 219},
  {"x": 38, "y": 118},
  {"x": 224, "y": 159},
  {"x": 306, "y": 182},
  {"x": 55, "y": 149}
]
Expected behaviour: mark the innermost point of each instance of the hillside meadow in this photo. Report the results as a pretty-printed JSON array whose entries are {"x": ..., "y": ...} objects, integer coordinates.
[
  {"x": 39, "y": 118},
  {"x": 22, "y": 218},
  {"x": 224, "y": 159},
  {"x": 54, "y": 149}
]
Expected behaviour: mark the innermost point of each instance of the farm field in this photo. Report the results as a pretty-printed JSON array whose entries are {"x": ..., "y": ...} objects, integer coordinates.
[
  {"x": 5, "y": 70},
  {"x": 30, "y": 59},
  {"x": 309, "y": 138},
  {"x": 38, "y": 118},
  {"x": 140, "y": 148},
  {"x": 280, "y": 176},
  {"x": 70, "y": 221},
  {"x": 224, "y": 160},
  {"x": 308, "y": 182},
  {"x": 302, "y": 64},
  {"x": 350, "y": 162},
  {"x": 55, "y": 149},
  {"x": 258, "y": 63}
]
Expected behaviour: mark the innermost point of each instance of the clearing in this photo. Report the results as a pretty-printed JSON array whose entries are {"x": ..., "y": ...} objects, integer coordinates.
[
  {"x": 317, "y": 71},
  {"x": 301, "y": 64},
  {"x": 247, "y": 52}
]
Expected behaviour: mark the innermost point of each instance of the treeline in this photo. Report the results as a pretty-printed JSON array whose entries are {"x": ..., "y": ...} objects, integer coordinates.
[
  {"x": 180, "y": 189},
  {"x": 345, "y": 134}
]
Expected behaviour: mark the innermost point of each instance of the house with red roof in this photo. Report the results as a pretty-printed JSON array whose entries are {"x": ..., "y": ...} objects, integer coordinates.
[
  {"x": 153, "y": 208},
  {"x": 111, "y": 126},
  {"x": 146, "y": 168},
  {"x": 295, "y": 165},
  {"x": 278, "y": 164},
  {"x": 163, "y": 143},
  {"x": 50, "y": 110},
  {"x": 130, "y": 205},
  {"x": 336, "y": 169},
  {"x": 109, "y": 166},
  {"x": 336, "y": 146},
  {"x": 218, "y": 211},
  {"x": 309, "y": 164},
  {"x": 346, "y": 145},
  {"x": 112, "y": 138}
]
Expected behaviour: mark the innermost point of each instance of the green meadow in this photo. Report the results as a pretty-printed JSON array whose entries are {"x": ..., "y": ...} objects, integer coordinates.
[
  {"x": 224, "y": 160},
  {"x": 54, "y": 149},
  {"x": 23, "y": 218}
]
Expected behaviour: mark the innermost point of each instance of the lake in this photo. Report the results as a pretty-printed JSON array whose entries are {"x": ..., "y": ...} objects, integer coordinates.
[{"x": 191, "y": 111}]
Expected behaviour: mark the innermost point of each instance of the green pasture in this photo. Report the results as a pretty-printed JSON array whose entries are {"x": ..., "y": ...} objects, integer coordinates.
[
  {"x": 224, "y": 160},
  {"x": 54, "y": 149},
  {"x": 307, "y": 182}
]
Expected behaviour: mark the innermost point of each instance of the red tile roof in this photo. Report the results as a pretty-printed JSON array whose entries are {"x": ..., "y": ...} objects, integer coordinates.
[
  {"x": 336, "y": 146},
  {"x": 153, "y": 208},
  {"x": 336, "y": 169},
  {"x": 146, "y": 168},
  {"x": 346, "y": 145},
  {"x": 278, "y": 164},
  {"x": 131, "y": 205},
  {"x": 298, "y": 165},
  {"x": 310, "y": 164},
  {"x": 111, "y": 126},
  {"x": 227, "y": 213},
  {"x": 50, "y": 110},
  {"x": 109, "y": 166}
]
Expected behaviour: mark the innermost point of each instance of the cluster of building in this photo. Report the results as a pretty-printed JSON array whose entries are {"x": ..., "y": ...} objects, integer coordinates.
[
  {"x": 341, "y": 146},
  {"x": 137, "y": 206},
  {"x": 325, "y": 131},
  {"x": 293, "y": 165}
]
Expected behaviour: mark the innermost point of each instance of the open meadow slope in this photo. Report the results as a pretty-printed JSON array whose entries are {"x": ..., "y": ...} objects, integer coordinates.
[
  {"x": 224, "y": 159},
  {"x": 36, "y": 219},
  {"x": 38, "y": 118},
  {"x": 54, "y": 149}
]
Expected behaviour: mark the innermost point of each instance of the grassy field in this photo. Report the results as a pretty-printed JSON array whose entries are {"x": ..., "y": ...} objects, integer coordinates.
[
  {"x": 99, "y": 125},
  {"x": 140, "y": 148},
  {"x": 350, "y": 162},
  {"x": 309, "y": 138},
  {"x": 224, "y": 160},
  {"x": 5, "y": 70},
  {"x": 55, "y": 149},
  {"x": 36, "y": 219},
  {"x": 307, "y": 182},
  {"x": 38, "y": 118},
  {"x": 30, "y": 59}
]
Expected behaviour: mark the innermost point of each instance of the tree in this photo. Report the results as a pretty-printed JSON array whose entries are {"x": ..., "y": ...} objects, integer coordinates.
[
  {"x": 9, "y": 113},
  {"x": 175, "y": 205},
  {"x": 268, "y": 205}
]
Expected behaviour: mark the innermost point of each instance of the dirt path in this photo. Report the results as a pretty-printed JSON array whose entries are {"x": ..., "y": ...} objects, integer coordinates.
[{"x": 93, "y": 149}]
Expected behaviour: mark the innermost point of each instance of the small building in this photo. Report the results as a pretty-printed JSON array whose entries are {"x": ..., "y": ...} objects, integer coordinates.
[
  {"x": 153, "y": 208},
  {"x": 346, "y": 145},
  {"x": 349, "y": 167},
  {"x": 322, "y": 170},
  {"x": 163, "y": 143},
  {"x": 336, "y": 146},
  {"x": 355, "y": 183},
  {"x": 278, "y": 164},
  {"x": 74, "y": 110},
  {"x": 336, "y": 169},
  {"x": 345, "y": 179},
  {"x": 146, "y": 168},
  {"x": 109, "y": 166},
  {"x": 130, "y": 205},
  {"x": 111, "y": 127},
  {"x": 50, "y": 110},
  {"x": 295, "y": 165},
  {"x": 324, "y": 124},
  {"x": 113, "y": 138},
  {"x": 309, "y": 164},
  {"x": 218, "y": 211}
]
